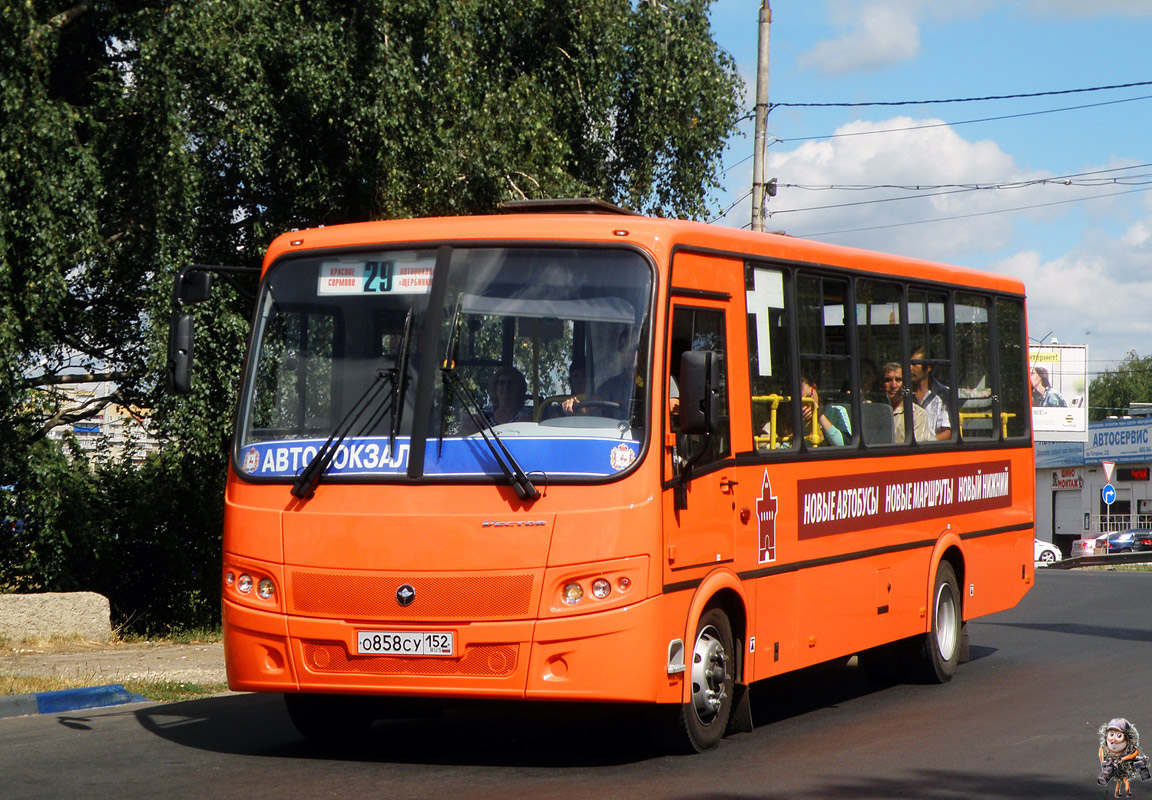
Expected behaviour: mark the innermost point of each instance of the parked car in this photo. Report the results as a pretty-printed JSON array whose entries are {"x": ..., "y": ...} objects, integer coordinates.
[
  {"x": 1090, "y": 547},
  {"x": 1122, "y": 542},
  {"x": 1143, "y": 541},
  {"x": 1046, "y": 552}
]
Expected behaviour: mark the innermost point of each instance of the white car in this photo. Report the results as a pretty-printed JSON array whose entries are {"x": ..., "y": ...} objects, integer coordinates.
[{"x": 1046, "y": 552}]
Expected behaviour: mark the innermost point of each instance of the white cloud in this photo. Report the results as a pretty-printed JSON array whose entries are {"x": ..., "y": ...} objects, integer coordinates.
[
  {"x": 1097, "y": 293},
  {"x": 899, "y": 158},
  {"x": 878, "y": 34}
]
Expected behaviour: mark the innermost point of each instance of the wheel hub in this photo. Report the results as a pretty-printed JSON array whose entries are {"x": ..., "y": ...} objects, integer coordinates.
[{"x": 709, "y": 675}]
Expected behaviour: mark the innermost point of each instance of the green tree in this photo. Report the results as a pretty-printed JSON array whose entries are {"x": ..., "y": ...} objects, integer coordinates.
[
  {"x": 1113, "y": 391},
  {"x": 138, "y": 136}
]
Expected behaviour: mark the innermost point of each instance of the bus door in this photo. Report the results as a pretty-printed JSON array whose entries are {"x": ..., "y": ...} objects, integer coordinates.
[{"x": 700, "y": 484}]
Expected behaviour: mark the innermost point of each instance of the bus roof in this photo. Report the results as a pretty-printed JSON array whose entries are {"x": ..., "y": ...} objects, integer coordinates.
[{"x": 659, "y": 236}]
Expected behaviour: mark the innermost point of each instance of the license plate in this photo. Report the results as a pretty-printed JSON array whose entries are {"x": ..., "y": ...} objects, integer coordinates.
[{"x": 406, "y": 643}]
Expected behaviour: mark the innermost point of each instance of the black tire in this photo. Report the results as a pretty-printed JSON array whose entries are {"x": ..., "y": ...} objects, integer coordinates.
[
  {"x": 329, "y": 719},
  {"x": 700, "y": 723},
  {"x": 938, "y": 653}
]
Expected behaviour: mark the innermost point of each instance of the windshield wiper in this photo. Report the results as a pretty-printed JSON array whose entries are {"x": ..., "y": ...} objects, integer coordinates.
[
  {"x": 508, "y": 465},
  {"x": 448, "y": 365},
  {"x": 396, "y": 378},
  {"x": 399, "y": 384},
  {"x": 309, "y": 477}
]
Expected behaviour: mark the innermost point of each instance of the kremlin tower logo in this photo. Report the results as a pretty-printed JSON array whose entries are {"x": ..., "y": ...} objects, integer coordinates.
[{"x": 766, "y": 519}]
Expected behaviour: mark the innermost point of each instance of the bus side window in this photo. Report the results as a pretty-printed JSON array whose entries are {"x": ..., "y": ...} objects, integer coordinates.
[
  {"x": 769, "y": 358},
  {"x": 826, "y": 411},
  {"x": 929, "y": 375},
  {"x": 974, "y": 367},
  {"x": 883, "y": 393},
  {"x": 1015, "y": 414},
  {"x": 703, "y": 329}
]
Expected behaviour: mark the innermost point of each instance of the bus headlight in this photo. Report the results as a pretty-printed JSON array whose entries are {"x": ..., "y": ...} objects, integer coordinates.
[
  {"x": 244, "y": 583},
  {"x": 266, "y": 588},
  {"x": 573, "y": 593},
  {"x": 601, "y": 588}
]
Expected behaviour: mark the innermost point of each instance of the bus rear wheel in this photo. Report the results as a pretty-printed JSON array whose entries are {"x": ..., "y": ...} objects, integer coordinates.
[
  {"x": 700, "y": 723},
  {"x": 939, "y": 651}
]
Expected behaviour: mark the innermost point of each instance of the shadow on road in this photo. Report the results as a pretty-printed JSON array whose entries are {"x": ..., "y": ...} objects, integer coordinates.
[
  {"x": 534, "y": 735},
  {"x": 492, "y": 734}
]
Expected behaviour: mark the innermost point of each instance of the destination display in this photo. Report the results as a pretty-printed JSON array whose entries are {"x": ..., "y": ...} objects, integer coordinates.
[{"x": 568, "y": 456}]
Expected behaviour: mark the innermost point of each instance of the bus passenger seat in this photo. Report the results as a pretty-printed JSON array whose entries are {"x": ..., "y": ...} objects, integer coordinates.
[{"x": 877, "y": 423}]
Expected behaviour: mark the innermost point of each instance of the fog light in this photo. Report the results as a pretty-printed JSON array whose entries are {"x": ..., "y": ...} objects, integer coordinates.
[
  {"x": 601, "y": 588},
  {"x": 573, "y": 593},
  {"x": 229, "y": 578},
  {"x": 624, "y": 584},
  {"x": 265, "y": 588},
  {"x": 244, "y": 585}
]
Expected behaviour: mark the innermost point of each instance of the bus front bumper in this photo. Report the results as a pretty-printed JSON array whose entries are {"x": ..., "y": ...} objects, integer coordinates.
[{"x": 617, "y": 656}]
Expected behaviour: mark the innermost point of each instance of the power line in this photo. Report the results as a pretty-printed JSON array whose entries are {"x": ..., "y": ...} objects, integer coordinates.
[
  {"x": 964, "y": 216},
  {"x": 964, "y": 121},
  {"x": 937, "y": 190},
  {"x": 961, "y": 99}
]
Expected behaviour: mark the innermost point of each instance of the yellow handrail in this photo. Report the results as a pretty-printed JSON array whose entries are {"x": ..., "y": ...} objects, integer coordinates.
[
  {"x": 1005, "y": 416},
  {"x": 774, "y": 400}
]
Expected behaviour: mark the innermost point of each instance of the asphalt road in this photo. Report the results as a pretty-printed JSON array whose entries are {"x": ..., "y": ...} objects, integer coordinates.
[{"x": 1019, "y": 720}]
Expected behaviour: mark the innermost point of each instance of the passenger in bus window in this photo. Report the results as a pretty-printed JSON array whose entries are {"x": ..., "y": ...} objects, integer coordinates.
[
  {"x": 508, "y": 391},
  {"x": 869, "y": 378},
  {"x": 833, "y": 432},
  {"x": 932, "y": 396},
  {"x": 893, "y": 381}
]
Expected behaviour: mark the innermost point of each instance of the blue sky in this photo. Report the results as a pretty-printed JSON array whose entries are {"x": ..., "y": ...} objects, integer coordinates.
[{"x": 1083, "y": 251}]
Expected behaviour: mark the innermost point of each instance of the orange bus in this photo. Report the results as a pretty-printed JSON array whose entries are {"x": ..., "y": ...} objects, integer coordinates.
[{"x": 569, "y": 453}]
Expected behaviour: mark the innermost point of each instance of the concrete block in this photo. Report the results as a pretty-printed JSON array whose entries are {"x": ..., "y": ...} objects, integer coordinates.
[{"x": 86, "y": 615}]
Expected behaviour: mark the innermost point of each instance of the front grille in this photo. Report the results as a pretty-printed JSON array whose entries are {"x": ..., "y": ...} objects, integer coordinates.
[
  {"x": 483, "y": 661},
  {"x": 459, "y": 598}
]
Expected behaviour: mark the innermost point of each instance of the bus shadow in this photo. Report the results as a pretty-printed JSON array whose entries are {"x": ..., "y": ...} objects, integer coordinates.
[
  {"x": 823, "y": 686},
  {"x": 489, "y": 734},
  {"x": 501, "y": 735}
]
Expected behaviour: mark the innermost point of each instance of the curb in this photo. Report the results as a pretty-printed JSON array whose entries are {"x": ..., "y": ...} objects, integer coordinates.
[{"x": 67, "y": 700}]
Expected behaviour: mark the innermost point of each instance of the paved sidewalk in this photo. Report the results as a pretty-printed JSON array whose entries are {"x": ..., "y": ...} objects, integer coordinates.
[{"x": 100, "y": 664}]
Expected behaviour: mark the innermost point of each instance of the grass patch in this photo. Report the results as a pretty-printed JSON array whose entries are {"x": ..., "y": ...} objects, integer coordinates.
[
  {"x": 31, "y": 684},
  {"x": 172, "y": 691},
  {"x": 159, "y": 691},
  {"x": 182, "y": 636}
]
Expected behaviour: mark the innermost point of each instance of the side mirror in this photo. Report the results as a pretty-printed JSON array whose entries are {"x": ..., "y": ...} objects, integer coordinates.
[
  {"x": 180, "y": 335},
  {"x": 192, "y": 285},
  {"x": 699, "y": 384}
]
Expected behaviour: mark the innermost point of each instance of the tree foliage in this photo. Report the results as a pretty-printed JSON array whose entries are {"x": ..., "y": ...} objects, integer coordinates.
[
  {"x": 1112, "y": 392},
  {"x": 139, "y": 136}
]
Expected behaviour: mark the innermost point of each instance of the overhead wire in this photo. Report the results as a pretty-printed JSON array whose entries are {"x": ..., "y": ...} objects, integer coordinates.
[
  {"x": 965, "y": 121},
  {"x": 937, "y": 190},
  {"x": 961, "y": 99},
  {"x": 942, "y": 189},
  {"x": 969, "y": 216}
]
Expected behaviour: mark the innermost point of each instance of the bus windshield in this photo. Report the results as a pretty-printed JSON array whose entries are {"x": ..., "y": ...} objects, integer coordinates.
[{"x": 538, "y": 357}]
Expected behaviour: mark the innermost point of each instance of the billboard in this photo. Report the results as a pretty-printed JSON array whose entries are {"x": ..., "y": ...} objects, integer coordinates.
[{"x": 1058, "y": 374}]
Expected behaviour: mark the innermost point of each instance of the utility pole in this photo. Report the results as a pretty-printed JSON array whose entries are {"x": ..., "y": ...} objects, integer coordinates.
[{"x": 761, "y": 137}]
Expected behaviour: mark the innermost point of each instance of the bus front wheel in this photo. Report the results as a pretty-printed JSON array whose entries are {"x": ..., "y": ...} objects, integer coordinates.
[
  {"x": 939, "y": 652},
  {"x": 700, "y": 723}
]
